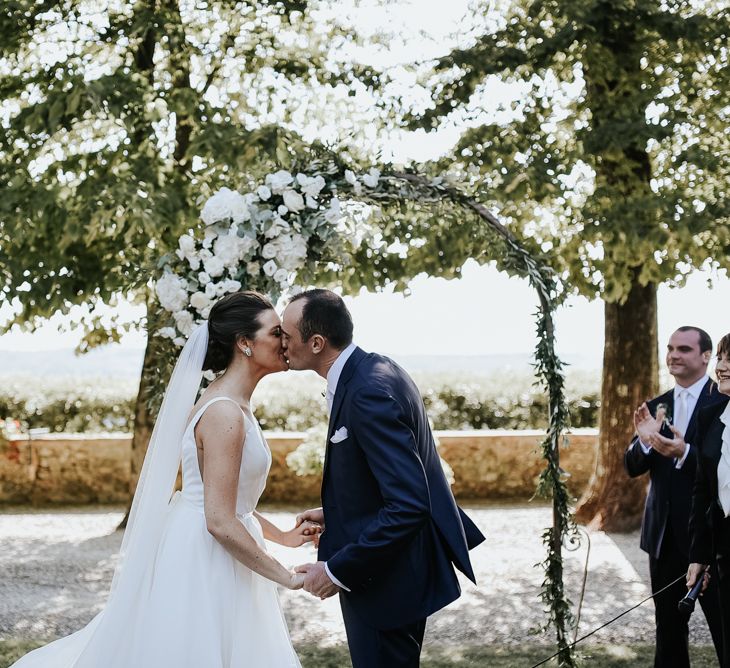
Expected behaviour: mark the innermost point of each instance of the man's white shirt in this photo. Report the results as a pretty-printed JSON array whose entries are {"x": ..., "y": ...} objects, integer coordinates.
[
  {"x": 692, "y": 395},
  {"x": 333, "y": 377}
]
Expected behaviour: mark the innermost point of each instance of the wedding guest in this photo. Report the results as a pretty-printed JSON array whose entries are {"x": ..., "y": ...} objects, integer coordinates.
[
  {"x": 710, "y": 518},
  {"x": 664, "y": 447}
]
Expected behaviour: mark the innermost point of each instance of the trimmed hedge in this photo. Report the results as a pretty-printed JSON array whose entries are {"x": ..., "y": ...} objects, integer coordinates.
[{"x": 295, "y": 403}]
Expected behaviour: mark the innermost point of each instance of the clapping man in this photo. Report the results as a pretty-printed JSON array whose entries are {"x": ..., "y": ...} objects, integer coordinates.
[{"x": 671, "y": 465}]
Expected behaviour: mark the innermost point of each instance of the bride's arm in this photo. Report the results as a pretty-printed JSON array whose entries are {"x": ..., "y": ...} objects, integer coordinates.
[
  {"x": 221, "y": 431},
  {"x": 299, "y": 535}
]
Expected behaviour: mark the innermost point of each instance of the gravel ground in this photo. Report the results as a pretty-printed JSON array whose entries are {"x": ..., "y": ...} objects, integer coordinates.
[{"x": 56, "y": 567}]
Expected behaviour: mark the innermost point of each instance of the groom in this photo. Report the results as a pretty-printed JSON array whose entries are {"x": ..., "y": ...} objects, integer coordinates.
[{"x": 392, "y": 530}]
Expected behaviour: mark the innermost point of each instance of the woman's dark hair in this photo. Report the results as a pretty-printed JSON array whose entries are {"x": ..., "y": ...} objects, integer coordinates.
[
  {"x": 325, "y": 313},
  {"x": 723, "y": 347},
  {"x": 231, "y": 318}
]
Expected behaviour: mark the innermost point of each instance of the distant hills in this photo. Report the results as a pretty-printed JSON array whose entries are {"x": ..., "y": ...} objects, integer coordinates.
[{"x": 126, "y": 363}]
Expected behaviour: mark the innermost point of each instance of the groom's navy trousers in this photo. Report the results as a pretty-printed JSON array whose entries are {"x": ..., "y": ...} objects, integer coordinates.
[{"x": 393, "y": 532}]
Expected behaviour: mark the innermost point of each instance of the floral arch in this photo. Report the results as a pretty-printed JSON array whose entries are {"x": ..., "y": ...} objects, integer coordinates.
[{"x": 315, "y": 225}]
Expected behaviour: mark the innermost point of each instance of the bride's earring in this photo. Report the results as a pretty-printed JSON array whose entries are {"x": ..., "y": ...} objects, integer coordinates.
[{"x": 247, "y": 351}]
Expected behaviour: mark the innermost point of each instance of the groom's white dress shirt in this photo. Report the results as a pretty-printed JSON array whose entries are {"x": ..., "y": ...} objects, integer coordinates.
[
  {"x": 333, "y": 377},
  {"x": 685, "y": 400}
]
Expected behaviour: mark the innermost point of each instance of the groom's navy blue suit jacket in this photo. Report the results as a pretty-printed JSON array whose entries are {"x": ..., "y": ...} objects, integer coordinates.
[{"x": 393, "y": 532}]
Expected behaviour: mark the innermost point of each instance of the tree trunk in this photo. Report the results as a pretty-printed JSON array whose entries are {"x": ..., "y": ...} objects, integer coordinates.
[{"x": 613, "y": 501}]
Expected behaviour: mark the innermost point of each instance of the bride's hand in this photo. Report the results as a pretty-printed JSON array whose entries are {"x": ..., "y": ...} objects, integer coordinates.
[
  {"x": 306, "y": 532},
  {"x": 296, "y": 581}
]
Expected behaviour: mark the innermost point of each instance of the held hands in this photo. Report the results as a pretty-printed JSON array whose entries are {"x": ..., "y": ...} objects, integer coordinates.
[
  {"x": 296, "y": 581},
  {"x": 697, "y": 570},
  {"x": 303, "y": 532},
  {"x": 316, "y": 580},
  {"x": 315, "y": 517}
]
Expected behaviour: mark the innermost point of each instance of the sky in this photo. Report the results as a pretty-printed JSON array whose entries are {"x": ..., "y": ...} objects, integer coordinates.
[{"x": 484, "y": 312}]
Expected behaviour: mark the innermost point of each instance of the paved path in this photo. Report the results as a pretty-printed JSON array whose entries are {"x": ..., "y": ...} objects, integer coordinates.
[{"x": 55, "y": 570}]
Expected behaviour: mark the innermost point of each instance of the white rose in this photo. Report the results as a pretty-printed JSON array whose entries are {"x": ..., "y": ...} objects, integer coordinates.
[
  {"x": 220, "y": 289},
  {"x": 214, "y": 266},
  {"x": 203, "y": 278},
  {"x": 184, "y": 322},
  {"x": 225, "y": 205},
  {"x": 281, "y": 276},
  {"x": 199, "y": 301},
  {"x": 171, "y": 292},
  {"x": 263, "y": 192},
  {"x": 270, "y": 268},
  {"x": 309, "y": 185},
  {"x": 293, "y": 200},
  {"x": 278, "y": 181},
  {"x": 231, "y": 286},
  {"x": 167, "y": 332},
  {"x": 269, "y": 251},
  {"x": 371, "y": 178}
]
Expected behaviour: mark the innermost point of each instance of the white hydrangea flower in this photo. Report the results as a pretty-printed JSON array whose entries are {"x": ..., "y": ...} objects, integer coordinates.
[
  {"x": 311, "y": 185},
  {"x": 226, "y": 204},
  {"x": 186, "y": 244},
  {"x": 179, "y": 341},
  {"x": 371, "y": 178},
  {"x": 270, "y": 268},
  {"x": 211, "y": 290},
  {"x": 194, "y": 262},
  {"x": 293, "y": 200},
  {"x": 282, "y": 210},
  {"x": 199, "y": 301},
  {"x": 229, "y": 249},
  {"x": 231, "y": 286},
  {"x": 214, "y": 266},
  {"x": 278, "y": 181},
  {"x": 184, "y": 322},
  {"x": 167, "y": 332},
  {"x": 203, "y": 278},
  {"x": 172, "y": 292},
  {"x": 311, "y": 202},
  {"x": 264, "y": 193}
]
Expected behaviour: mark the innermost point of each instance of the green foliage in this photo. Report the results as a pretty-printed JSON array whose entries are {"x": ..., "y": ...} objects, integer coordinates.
[
  {"x": 611, "y": 155},
  {"x": 499, "y": 401},
  {"x": 116, "y": 123}
]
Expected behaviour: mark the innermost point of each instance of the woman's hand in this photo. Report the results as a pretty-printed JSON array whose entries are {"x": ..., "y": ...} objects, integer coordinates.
[
  {"x": 306, "y": 532},
  {"x": 296, "y": 581}
]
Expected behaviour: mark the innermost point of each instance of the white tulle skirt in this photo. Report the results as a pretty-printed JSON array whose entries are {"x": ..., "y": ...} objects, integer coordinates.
[{"x": 202, "y": 609}]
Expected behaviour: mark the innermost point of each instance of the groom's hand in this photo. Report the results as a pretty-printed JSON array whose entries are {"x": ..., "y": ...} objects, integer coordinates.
[
  {"x": 316, "y": 580},
  {"x": 315, "y": 515}
]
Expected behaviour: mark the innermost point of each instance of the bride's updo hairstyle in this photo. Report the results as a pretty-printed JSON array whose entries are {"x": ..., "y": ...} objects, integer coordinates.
[{"x": 231, "y": 318}]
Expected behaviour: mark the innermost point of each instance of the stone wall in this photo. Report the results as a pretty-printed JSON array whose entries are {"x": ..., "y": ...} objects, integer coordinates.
[{"x": 79, "y": 469}]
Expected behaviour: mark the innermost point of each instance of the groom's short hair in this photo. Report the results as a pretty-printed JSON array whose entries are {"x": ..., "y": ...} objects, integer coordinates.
[{"x": 325, "y": 313}]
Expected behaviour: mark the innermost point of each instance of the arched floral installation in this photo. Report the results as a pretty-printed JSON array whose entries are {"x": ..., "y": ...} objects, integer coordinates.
[{"x": 326, "y": 224}]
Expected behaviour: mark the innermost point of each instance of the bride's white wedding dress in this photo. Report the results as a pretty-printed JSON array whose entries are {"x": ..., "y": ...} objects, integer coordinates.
[{"x": 199, "y": 607}]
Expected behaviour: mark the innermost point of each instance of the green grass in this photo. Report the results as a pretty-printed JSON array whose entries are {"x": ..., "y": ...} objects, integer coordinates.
[{"x": 595, "y": 656}]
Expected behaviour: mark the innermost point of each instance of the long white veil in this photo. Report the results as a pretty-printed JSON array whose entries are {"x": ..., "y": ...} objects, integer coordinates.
[{"x": 104, "y": 636}]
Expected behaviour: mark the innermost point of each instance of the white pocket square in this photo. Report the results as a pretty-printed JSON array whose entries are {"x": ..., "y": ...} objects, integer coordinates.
[{"x": 339, "y": 435}]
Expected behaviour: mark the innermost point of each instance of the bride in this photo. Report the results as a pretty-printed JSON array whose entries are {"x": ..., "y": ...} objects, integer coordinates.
[{"x": 195, "y": 586}]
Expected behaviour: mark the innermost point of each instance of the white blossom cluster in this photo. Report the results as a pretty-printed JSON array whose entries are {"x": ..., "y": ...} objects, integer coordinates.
[{"x": 257, "y": 241}]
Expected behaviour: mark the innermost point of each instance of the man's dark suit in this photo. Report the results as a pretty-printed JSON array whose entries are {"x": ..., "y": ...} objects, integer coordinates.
[
  {"x": 665, "y": 535},
  {"x": 709, "y": 528},
  {"x": 393, "y": 532}
]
